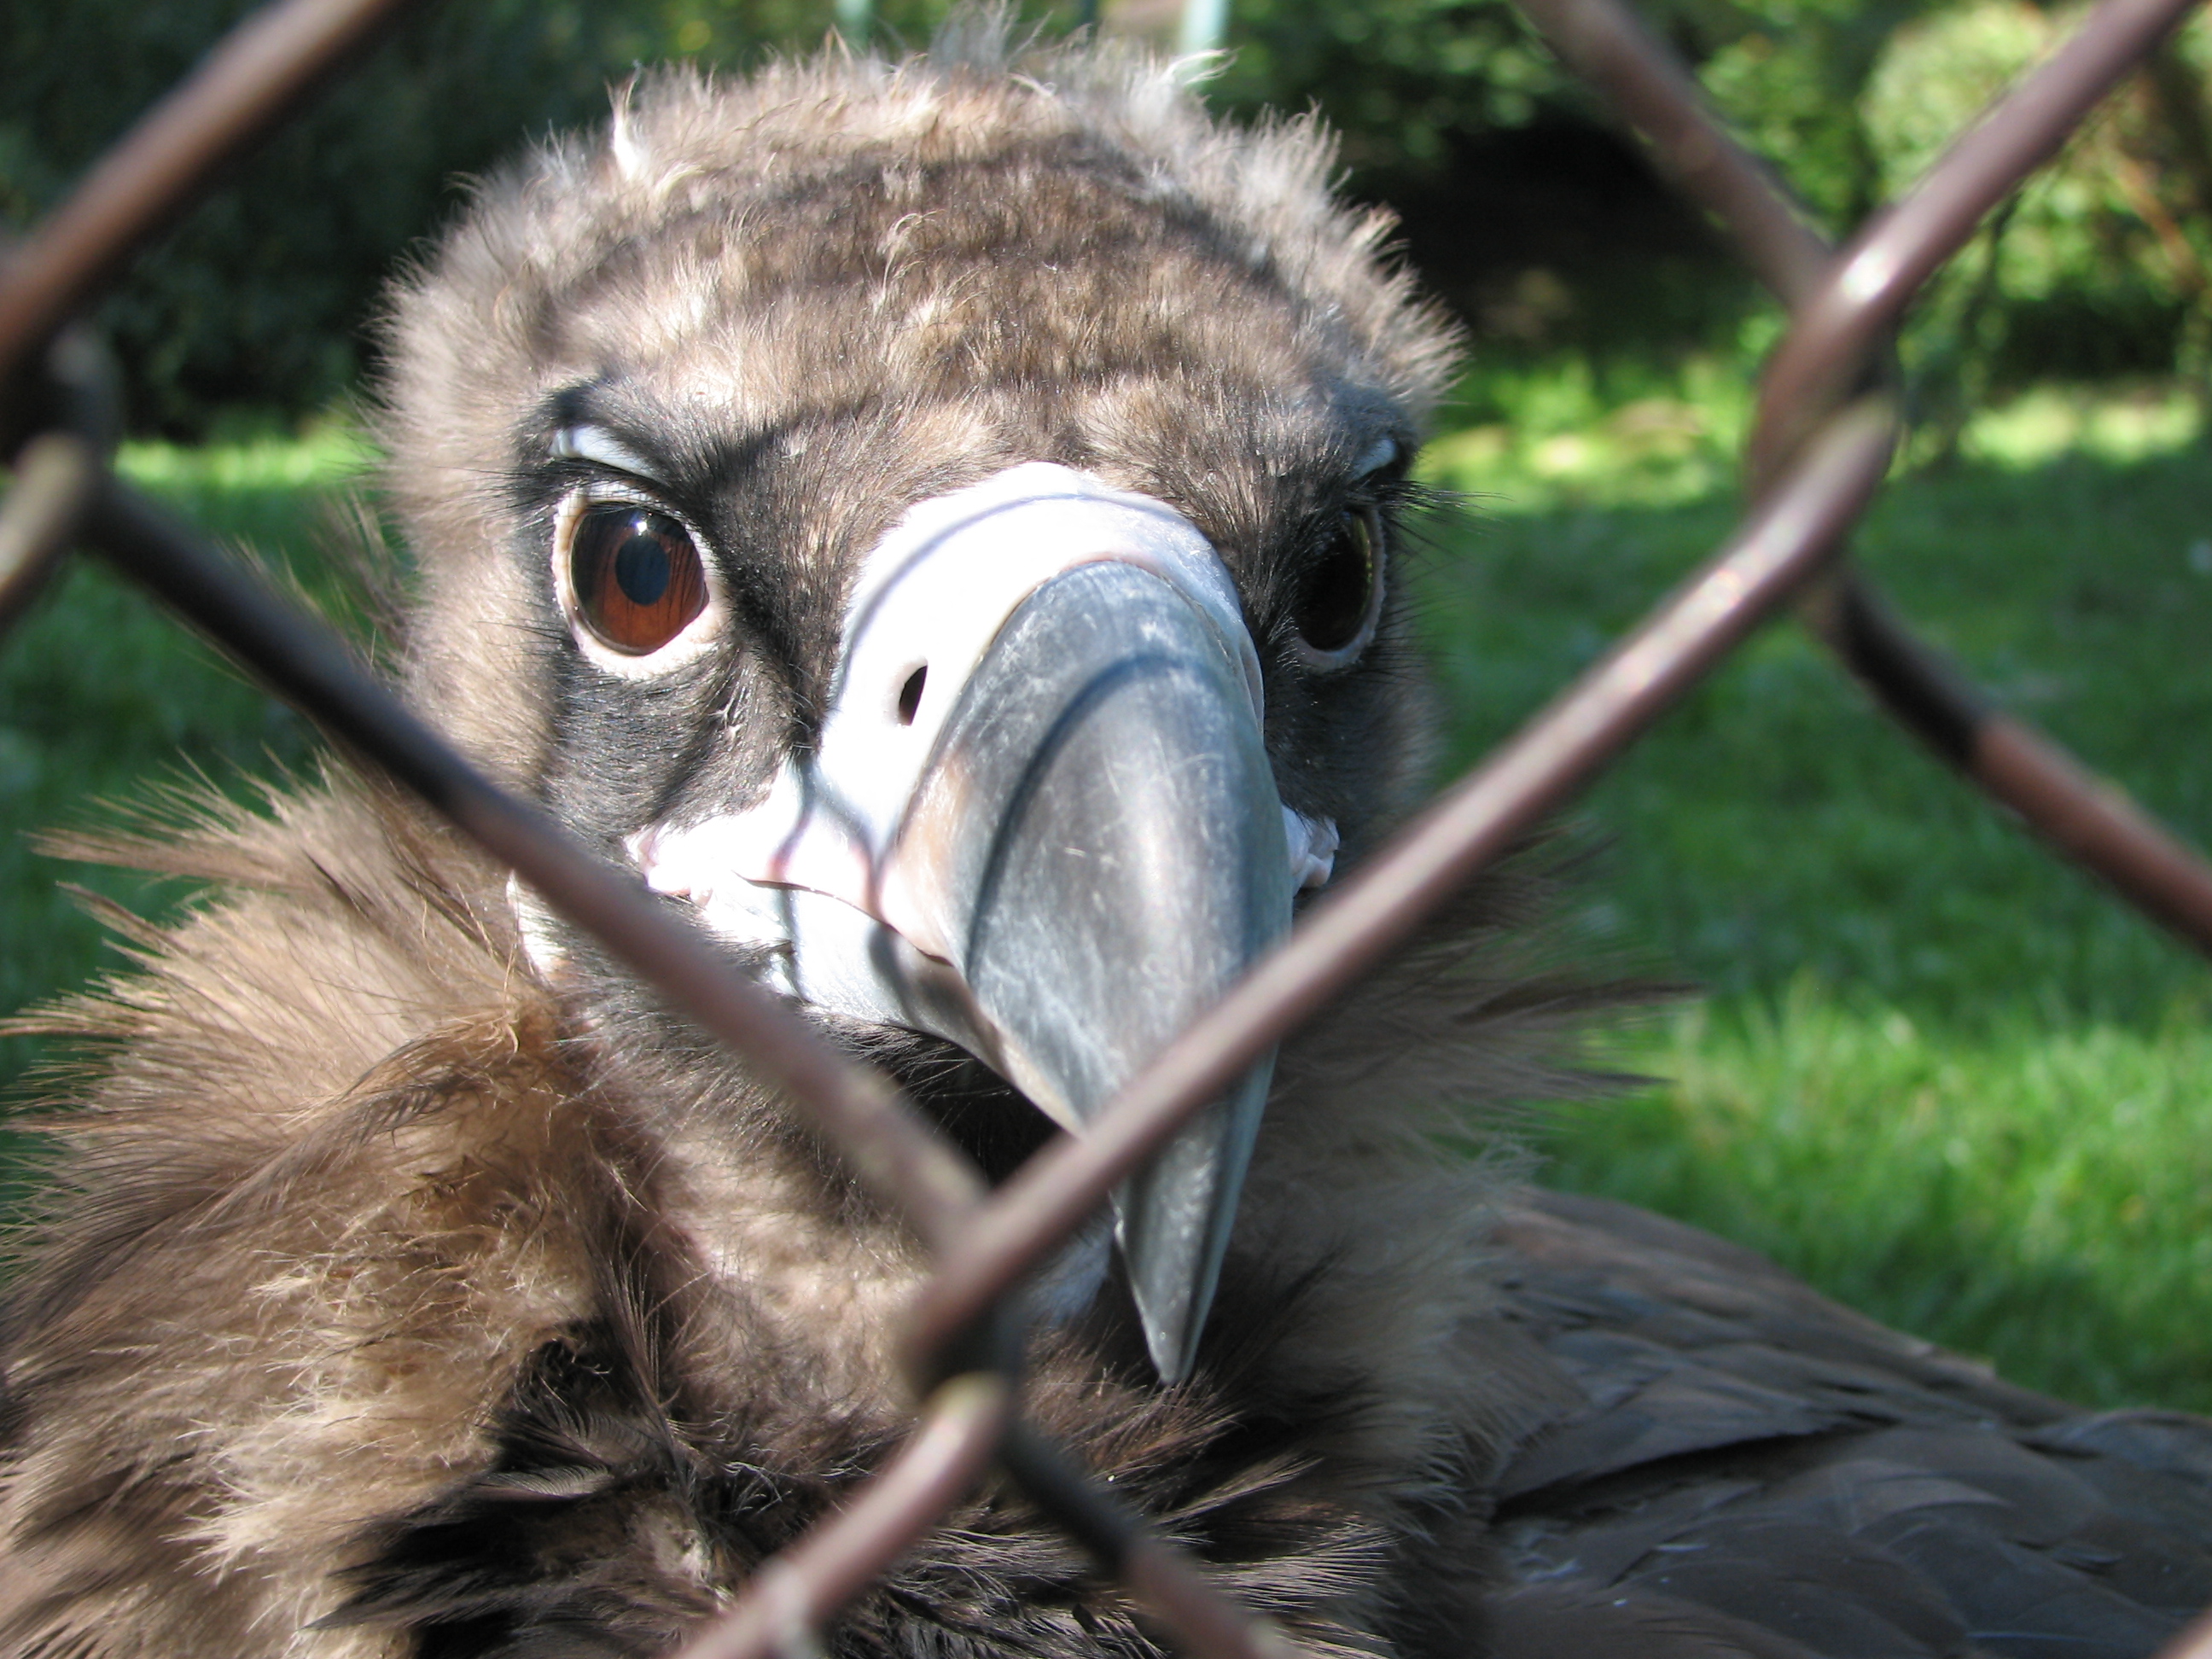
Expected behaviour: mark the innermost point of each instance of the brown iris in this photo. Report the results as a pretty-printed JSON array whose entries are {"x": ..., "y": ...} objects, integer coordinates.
[{"x": 636, "y": 575}]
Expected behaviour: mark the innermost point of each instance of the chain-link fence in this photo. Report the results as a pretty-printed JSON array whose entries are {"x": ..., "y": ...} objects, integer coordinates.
[{"x": 1818, "y": 453}]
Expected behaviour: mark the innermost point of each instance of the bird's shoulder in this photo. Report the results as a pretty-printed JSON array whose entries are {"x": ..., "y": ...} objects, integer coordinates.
[
  {"x": 1754, "y": 1469},
  {"x": 319, "y": 1168}
]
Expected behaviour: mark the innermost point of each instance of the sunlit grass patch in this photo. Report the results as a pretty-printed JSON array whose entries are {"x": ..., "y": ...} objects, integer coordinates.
[
  {"x": 2118, "y": 426},
  {"x": 2037, "y": 1194},
  {"x": 322, "y": 456},
  {"x": 1562, "y": 433}
]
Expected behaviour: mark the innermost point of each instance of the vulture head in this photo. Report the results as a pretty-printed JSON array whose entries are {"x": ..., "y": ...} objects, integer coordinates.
[{"x": 936, "y": 526}]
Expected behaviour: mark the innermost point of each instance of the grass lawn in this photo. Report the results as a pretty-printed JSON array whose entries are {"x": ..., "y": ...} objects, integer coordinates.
[{"x": 1936, "y": 1071}]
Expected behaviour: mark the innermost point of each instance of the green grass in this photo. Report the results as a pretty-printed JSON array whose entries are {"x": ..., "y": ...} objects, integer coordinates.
[
  {"x": 2034, "y": 1191},
  {"x": 1941, "y": 1074},
  {"x": 1938, "y": 1073}
]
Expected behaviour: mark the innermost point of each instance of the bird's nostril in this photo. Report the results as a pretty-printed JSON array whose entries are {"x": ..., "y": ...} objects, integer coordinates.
[{"x": 910, "y": 699}]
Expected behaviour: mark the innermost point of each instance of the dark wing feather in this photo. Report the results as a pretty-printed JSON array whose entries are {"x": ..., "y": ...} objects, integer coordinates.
[{"x": 1756, "y": 1470}]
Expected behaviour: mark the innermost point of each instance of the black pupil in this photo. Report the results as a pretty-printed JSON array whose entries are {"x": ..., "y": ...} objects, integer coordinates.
[
  {"x": 641, "y": 565},
  {"x": 1335, "y": 603}
]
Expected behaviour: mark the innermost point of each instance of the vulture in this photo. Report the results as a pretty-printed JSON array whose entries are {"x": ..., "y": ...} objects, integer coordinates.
[{"x": 939, "y": 524}]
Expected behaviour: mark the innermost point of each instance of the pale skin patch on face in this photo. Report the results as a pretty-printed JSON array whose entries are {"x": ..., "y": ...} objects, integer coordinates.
[{"x": 600, "y": 446}]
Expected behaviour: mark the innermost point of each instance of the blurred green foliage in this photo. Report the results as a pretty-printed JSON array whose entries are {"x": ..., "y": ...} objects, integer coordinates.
[
  {"x": 2097, "y": 267},
  {"x": 1534, "y": 217},
  {"x": 262, "y": 296}
]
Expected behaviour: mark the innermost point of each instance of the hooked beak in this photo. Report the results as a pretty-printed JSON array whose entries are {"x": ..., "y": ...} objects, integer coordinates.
[{"x": 1041, "y": 825}]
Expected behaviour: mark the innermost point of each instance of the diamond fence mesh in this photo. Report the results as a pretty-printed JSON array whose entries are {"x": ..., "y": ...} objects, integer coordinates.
[{"x": 1818, "y": 452}]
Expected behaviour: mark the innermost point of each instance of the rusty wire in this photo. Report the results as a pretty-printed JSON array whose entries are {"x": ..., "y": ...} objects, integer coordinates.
[
  {"x": 794, "y": 1595},
  {"x": 237, "y": 95},
  {"x": 54, "y": 478},
  {"x": 1820, "y": 451},
  {"x": 2059, "y": 798}
]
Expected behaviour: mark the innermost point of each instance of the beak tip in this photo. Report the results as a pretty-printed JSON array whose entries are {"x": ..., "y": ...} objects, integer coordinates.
[
  {"x": 1170, "y": 1279},
  {"x": 1168, "y": 1359},
  {"x": 1173, "y": 1221},
  {"x": 1170, "y": 1337}
]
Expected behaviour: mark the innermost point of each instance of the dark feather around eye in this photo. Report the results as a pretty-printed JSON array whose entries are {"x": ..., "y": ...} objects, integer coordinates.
[{"x": 637, "y": 577}]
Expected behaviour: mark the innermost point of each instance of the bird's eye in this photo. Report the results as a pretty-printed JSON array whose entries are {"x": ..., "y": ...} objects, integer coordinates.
[
  {"x": 636, "y": 576},
  {"x": 1340, "y": 598}
]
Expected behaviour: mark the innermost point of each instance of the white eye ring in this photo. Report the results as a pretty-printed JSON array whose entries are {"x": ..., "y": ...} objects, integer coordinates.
[
  {"x": 1340, "y": 597},
  {"x": 700, "y": 634}
]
